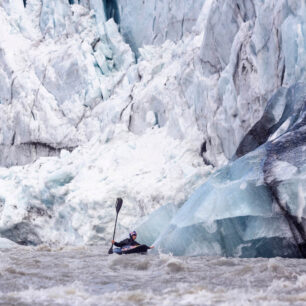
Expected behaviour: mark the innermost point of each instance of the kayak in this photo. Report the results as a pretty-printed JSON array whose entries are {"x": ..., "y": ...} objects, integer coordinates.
[{"x": 132, "y": 250}]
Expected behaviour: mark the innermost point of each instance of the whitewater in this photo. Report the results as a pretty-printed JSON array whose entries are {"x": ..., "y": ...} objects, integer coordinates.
[{"x": 86, "y": 276}]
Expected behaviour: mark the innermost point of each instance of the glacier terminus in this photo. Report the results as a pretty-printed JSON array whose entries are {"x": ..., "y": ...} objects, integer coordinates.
[{"x": 193, "y": 112}]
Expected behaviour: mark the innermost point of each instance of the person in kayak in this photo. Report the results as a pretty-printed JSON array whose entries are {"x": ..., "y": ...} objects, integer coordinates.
[{"x": 128, "y": 241}]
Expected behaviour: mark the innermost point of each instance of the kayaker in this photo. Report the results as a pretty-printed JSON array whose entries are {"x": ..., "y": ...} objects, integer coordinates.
[{"x": 128, "y": 241}]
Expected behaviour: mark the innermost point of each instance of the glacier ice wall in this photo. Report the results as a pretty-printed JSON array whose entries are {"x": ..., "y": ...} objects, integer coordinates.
[
  {"x": 146, "y": 107},
  {"x": 223, "y": 60}
]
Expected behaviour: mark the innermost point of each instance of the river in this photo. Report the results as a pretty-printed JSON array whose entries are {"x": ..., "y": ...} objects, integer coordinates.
[{"x": 87, "y": 276}]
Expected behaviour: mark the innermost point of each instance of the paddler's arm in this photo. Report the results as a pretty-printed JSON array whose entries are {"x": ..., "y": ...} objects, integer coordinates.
[
  {"x": 120, "y": 244},
  {"x": 115, "y": 243}
]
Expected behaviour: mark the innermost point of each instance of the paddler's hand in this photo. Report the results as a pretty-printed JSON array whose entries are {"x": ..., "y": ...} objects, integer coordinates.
[
  {"x": 152, "y": 247},
  {"x": 113, "y": 241}
]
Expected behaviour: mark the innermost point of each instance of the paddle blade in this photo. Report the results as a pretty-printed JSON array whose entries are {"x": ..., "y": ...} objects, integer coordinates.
[
  {"x": 118, "y": 204},
  {"x": 110, "y": 251}
]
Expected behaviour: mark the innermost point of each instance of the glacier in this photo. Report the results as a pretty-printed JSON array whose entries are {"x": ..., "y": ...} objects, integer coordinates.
[{"x": 154, "y": 101}]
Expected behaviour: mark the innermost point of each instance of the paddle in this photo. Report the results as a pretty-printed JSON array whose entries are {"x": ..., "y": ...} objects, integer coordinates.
[{"x": 118, "y": 207}]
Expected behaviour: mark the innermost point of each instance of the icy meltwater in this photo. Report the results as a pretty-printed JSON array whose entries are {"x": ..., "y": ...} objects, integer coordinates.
[{"x": 87, "y": 276}]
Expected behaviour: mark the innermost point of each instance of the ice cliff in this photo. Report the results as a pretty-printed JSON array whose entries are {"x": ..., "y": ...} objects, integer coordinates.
[{"x": 143, "y": 100}]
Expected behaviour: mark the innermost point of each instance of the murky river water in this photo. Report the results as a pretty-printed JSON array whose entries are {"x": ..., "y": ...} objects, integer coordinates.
[{"x": 86, "y": 276}]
